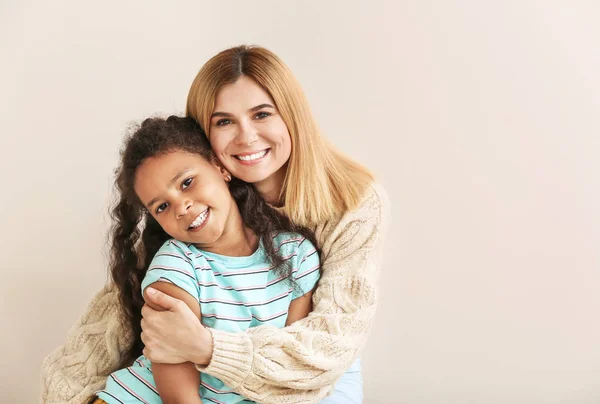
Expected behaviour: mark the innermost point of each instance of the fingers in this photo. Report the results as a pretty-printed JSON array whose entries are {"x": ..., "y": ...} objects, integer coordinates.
[
  {"x": 146, "y": 311},
  {"x": 147, "y": 354},
  {"x": 160, "y": 299}
]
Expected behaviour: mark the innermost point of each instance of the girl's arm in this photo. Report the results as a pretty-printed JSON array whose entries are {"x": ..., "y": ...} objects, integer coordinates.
[
  {"x": 178, "y": 383},
  {"x": 299, "y": 308}
]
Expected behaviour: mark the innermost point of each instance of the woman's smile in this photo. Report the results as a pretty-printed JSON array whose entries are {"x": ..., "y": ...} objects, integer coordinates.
[{"x": 252, "y": 158}]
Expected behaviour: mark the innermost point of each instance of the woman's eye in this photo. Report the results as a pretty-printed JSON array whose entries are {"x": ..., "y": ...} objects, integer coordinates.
[
  {"x": 223, "y": 122},
  {"x": 262, "y": 115},
  {"x": 161, "y": 207},
  {"x": 186, "y": 183}
]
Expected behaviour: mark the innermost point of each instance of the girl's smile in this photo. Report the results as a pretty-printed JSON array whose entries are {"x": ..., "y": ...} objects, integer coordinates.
[{"x": 199, "y": 221}]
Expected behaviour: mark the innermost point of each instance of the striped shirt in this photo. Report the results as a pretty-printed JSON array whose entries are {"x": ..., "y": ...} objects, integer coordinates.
[{"x": 234, "y": 293}]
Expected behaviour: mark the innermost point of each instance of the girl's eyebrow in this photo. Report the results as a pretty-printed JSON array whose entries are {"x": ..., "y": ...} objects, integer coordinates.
[
  {"x": 177, "y": 176},
  {"x": 256, "y": 108}
]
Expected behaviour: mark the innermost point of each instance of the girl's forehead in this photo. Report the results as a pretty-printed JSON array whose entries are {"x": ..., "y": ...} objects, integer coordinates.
[
  {"x": 156, "y": 175},
  {"x": 166, "y": 167}
]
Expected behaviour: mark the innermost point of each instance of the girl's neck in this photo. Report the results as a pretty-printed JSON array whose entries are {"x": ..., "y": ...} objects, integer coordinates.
[
  {"x": 270, "y": 188},
  {"x": 237, "y": 240}
]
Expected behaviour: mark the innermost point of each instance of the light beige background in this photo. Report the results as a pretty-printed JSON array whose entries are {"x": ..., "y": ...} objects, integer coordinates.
[{"x": 481, "y": 118}]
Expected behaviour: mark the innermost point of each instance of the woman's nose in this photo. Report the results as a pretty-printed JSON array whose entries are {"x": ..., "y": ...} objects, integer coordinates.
[{"x": 247, "y": 134}]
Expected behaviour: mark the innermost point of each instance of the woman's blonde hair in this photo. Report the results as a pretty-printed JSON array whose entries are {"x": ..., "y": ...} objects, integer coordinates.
[{"x": 320, "y": 181}]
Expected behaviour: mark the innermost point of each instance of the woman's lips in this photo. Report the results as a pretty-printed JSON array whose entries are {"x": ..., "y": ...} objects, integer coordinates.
[{"x": 252, "y": 158}]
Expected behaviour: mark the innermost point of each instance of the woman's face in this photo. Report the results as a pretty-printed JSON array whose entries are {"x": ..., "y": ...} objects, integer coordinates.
[{"x": 248, "y": 135}]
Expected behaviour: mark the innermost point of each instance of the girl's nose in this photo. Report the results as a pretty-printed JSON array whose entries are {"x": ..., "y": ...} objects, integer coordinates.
[{"x": 183, "y": 208}]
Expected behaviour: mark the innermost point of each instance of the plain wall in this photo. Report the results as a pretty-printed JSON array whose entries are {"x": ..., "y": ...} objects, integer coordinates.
[{"x": 481, "y": 119}]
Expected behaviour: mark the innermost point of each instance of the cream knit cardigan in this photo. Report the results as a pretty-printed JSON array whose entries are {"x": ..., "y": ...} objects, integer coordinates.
[{"x": 296, "y": 364}]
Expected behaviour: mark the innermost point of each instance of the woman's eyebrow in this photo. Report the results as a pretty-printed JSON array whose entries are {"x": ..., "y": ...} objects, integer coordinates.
[
  {"x": 227, "y": 114},
  {"x": 220, "y": 114},
  {"x": 261, "y": 106}
]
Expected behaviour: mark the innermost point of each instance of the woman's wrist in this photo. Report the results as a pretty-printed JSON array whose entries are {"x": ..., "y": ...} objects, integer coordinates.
[{"x": 203, "y": 351}]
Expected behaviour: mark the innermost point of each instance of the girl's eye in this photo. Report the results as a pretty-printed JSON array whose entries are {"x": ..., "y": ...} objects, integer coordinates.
[
  {"x": 223, "y": 122},
  {"x": 262, "y": 115},
  {"x": 161, "y": 207},
  {"x": 186, "y": 183}
]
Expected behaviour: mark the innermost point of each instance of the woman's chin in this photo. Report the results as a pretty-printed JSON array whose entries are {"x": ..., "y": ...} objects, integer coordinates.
[{"x": 253, "y": 176}]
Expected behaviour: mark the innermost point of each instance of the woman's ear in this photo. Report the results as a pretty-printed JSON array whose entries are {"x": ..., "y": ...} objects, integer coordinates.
[{"x": 222, "y": 170}]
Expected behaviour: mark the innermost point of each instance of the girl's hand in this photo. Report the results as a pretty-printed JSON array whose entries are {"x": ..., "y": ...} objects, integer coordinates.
[{"x": 174, "y": 335}]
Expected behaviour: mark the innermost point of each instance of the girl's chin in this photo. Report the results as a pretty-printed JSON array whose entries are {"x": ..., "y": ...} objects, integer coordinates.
[{"x": 205, "y": 241}]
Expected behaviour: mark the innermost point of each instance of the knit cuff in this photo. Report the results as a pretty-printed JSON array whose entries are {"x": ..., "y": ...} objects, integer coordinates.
[{"x": 232, "y": 357}]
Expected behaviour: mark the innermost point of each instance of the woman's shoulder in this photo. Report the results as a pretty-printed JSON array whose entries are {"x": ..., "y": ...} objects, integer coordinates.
[
  {"x": 375, "y": 198},
  {"x": 374, "y": 204},
  {"x": 367, "y": 220}
]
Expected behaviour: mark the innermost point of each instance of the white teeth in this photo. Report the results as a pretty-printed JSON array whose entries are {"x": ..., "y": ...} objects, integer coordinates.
[
  {"x": 199, "y": 220},
  {"x": 254, "y": 156}
]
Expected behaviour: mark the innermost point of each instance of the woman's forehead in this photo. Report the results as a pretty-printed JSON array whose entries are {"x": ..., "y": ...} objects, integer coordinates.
[{"x": 244, "y": 94}]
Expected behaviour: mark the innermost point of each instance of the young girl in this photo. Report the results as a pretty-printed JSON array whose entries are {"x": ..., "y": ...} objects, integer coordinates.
[{"x": 208, "y": 240}]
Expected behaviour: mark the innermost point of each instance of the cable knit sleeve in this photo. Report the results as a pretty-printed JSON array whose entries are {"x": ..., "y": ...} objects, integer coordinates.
[
  {"x": 77, "y": 369},
  {"x": 300, "y": 363}
]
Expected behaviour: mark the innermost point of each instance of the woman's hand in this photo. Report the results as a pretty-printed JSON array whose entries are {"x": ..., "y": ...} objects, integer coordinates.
[{"x": 174, "y": 335}]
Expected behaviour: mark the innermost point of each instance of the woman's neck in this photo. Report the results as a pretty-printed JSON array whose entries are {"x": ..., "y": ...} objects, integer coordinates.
[{"x": 270, "y": 188}]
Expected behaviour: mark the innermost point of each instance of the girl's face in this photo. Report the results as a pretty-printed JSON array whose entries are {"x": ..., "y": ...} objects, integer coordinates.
[
  {"x": 247, "y": 133},
  {"x": 187, "y": 195}
]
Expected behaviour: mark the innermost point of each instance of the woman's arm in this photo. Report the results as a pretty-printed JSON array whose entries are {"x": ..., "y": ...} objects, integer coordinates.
[
  {"x": 98, "y": 338},
  {"x": 300, "y": 363},
  {"x": 178, "y": 383}
]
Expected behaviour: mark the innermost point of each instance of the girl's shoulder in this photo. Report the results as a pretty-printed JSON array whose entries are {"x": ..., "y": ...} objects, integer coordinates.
[
  {"x": 176, "y": 247},
  {"x": 290, "y": 241}
]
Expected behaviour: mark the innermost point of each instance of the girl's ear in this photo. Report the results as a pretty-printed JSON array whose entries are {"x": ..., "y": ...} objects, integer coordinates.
[{"x": 222, "y": 170}]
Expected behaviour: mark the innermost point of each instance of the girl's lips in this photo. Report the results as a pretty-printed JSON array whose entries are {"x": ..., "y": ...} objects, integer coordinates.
[
  {"x": 196, "y": 229},
  {"x": 251, "y": 162}
]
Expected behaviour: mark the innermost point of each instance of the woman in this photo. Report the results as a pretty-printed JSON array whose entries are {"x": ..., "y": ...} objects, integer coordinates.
[{"x": 261, "y": 128}]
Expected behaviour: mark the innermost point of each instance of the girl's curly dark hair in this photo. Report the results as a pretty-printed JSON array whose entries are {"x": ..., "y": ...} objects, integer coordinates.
[{"x": 136, "y": 236}]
